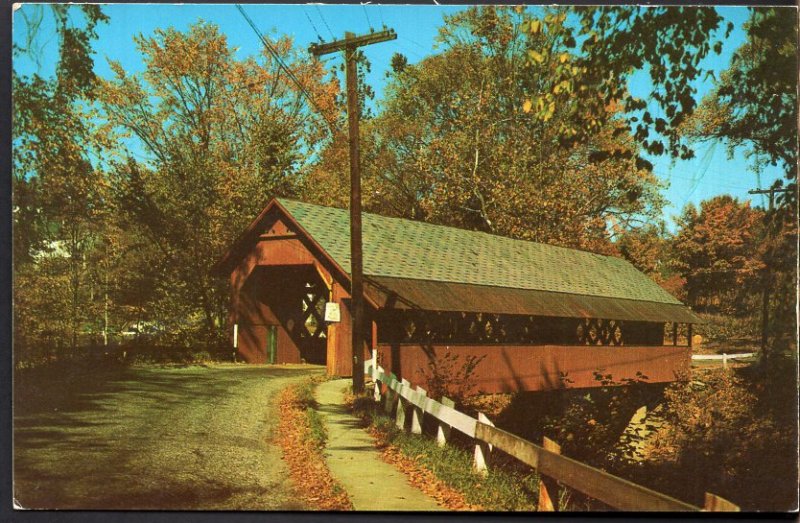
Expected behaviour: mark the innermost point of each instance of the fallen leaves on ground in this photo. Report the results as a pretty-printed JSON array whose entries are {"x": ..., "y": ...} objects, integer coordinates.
[
  {"x": 419, "y": 476},
  {"x": 307, "y": 468}
]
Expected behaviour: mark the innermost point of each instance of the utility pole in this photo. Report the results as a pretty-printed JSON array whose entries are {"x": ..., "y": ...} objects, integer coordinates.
[
  {"x": 350, "y": 46},
  {"x": 766, "y": 280}
]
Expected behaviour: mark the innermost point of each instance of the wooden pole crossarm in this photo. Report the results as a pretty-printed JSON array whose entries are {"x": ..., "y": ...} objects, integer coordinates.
[{"x": 352, "y": 42}]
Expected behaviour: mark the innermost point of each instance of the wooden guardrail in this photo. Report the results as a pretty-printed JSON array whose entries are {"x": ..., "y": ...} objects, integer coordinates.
[{"x": 551, "y": 466}]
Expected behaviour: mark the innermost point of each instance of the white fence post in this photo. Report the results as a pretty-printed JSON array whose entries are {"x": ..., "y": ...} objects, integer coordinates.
[
  {"x": 376, "y": 371},
  {"x": 400, "y": 418},
  {"x": 417, "y": 413},
  {"x": 376, "y": 393},
  {"x": 482, "y": 450},
  {"x": 443, "y": 430},
  {"x": 388, "y": 400}
]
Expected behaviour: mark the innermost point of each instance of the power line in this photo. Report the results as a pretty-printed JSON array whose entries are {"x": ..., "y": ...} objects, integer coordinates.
[
  {"x": 364, "y": 7},
  {"x": 314, "y": 27},
  {"x": 727, "y": 186},
  {"x": 380, "y": 12},
  {"x": 286, "y": 69},
  {"x": 319, "y": 11},
  {"x": 707, "y": 161},
  {"x": 411, "y": 50},
  {"x": 415, "y": 43}
]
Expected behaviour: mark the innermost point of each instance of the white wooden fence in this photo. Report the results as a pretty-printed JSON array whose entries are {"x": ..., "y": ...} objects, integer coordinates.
[
  {"x": 724, "y": 357},
  {"x": 551, "y": 466}
]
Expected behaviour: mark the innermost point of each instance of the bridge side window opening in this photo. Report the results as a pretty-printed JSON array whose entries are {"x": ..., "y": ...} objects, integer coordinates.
[{"x": 414, "y": 326}]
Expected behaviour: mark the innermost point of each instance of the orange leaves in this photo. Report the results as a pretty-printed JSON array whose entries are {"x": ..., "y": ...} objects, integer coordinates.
[{"x": 306, "y": 464}]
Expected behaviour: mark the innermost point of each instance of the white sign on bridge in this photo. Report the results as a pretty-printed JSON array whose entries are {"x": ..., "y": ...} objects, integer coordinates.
[{"x": 332, "y": 312}]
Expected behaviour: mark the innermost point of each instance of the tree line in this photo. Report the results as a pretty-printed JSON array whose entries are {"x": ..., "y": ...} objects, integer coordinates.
[{"x": 127, "y": 189}]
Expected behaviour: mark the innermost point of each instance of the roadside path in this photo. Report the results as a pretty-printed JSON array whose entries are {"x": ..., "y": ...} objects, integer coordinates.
[{"x": 352, "y": 458}]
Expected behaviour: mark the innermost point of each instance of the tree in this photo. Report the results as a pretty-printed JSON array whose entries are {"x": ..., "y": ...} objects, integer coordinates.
[
  {"x": 451, "y": 144},
  {"x": 219, "y": 137},
  {"x": 607, "y": 45},
  {"x": 754, "y": 104},
  {"x": 58, "y": 190},
  {"x": 647, "y": 248},
  {"x": 717, "y": 251}
]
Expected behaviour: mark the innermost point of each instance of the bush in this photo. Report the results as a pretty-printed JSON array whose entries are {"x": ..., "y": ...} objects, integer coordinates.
[
  {"x": 721, "y": 328},
  {"x": 448, "y": 376},
  {"x": 728, "y": 436},
  {"x": 589, "y": 423}
]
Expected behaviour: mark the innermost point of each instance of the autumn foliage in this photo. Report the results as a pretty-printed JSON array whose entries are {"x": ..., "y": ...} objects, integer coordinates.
[{"x": 304, "y": 455}]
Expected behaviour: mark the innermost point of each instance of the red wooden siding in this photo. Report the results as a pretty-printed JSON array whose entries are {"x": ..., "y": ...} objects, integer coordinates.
[
  {"x": 254, "y": 317},
  {"x": 517, "y": 368},
  {"x": 250, "y": 294}
]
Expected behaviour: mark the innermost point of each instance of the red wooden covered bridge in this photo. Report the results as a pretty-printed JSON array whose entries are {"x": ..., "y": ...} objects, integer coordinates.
[{"x": 539, "y": 316}]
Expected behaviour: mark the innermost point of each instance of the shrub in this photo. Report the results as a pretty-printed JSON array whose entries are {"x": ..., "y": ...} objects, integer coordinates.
[
  {"x": 722, "y": 438},
  {"x": 448, "y": 376},
  {"x": 724, "y": 329},
  {"x": 589, "y": 423}
]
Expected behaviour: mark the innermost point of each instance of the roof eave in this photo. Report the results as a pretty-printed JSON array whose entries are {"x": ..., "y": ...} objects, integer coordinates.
[
  {"x": 227, "y": 262},
  {"x": 224, "y": 265}
]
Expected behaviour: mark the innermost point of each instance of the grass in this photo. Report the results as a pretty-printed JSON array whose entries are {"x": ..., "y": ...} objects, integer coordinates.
[
  {"x": 168, "y": 438},
  {"x": 505, "y": 488},
  {"x": 302, "y": 436},
  {"x": 304, "y": 400}
]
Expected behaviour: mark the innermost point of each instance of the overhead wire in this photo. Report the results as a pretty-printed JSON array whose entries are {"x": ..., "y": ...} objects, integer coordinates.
[
  {"x": 333, "y": 126},
  {"x": 314, "y": 27},
  {"x": 415, "y": 43},
  {"x": 706, "y": 160},
  {"x": 364, "y": 7},
  {"x": 727, "y": 186},
  {"x": 319, "y": 11}
]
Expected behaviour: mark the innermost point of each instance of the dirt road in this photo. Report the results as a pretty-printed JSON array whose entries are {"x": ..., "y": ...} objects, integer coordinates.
[{"x": 194, "y": 438}]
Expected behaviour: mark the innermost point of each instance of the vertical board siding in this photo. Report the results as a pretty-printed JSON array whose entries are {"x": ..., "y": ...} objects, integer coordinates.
[{"x": 539, "y": 367}]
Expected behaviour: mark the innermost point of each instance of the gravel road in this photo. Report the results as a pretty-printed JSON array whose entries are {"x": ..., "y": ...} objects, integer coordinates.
[{"x": 191, "y": 438}]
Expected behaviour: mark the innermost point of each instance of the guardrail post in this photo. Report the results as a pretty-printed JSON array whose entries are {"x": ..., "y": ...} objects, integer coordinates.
[
  {"x": 724, "y": 361},
  {"x": 548, "y": 487},
  {"x": 443, "y": 429},
  {"x": 480, "y": 463},
  {"x": 417, "y": 412},
  {"x": 376, "y": 392},
  {"x": 715, "y": 503},
  {"x": 402, "y": 405},
  {"x": 388, "y": 399}
]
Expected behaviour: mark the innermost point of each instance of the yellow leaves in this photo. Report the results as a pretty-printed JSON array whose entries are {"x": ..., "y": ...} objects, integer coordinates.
[
  {"x": 563, "y": 58},
  {"x": 549, "y": 111},
  {"x": 562, "y": 86},
  {"x": 536, "y": 56},
  {"x": 539, "y": 104},
  {"x": 536, "y": 27},
  {"x": 545, "y": 107}
]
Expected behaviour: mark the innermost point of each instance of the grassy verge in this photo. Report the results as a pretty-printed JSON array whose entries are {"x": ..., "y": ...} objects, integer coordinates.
[
  {"x": 505, "y": 488},
  {"x": 302, "y": 436}
]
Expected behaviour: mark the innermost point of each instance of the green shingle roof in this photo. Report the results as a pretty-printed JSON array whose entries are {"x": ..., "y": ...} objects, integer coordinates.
[{"x": 400, "y": 248}]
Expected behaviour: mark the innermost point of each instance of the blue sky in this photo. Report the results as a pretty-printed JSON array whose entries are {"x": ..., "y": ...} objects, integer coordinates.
[{"x": 708, "y": 174}]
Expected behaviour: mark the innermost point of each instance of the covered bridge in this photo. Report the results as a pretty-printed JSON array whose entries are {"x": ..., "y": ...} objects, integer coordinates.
[{"x": 539, "y": 316}]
